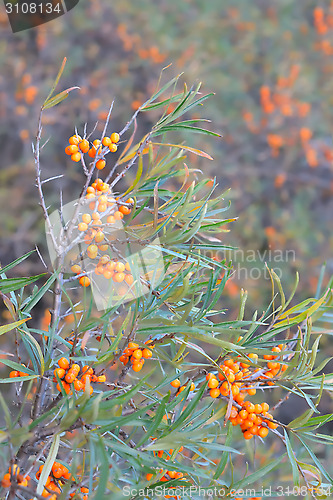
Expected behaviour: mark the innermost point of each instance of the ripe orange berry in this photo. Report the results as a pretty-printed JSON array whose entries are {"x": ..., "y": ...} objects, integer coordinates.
[
  {"x": 75, "y": 139},
  {"x": 113, "y": 148},
  {"x": 264, "y": 407},
  {"x": 130, "y": 200},
  {"x": 76, "y": 157},
  {"x": 119, "y": 277},
  {"x": 14, "y": 374},
  {"x": 146, "y": 353},
  {"x": 93, "y": 249},
  {"x": 120, "y": 267},
  {"x": 214, "y": 393},
  {"x": 137, "y": 354},
  {"x": 70, "y": 150},
  {"x": 175, "y": 383},
  {"x": 124, "y": 210},
  {"x": 115, "y": 137},
  {"x": 106, "y": 141},
  {"x": 70, "y": 377},
  {"x": 213, "y": 383},
  {"x": 99, "y": 236},
  {"x": 100, "y": 164},
  {"x": 248, "y": 435},
  {"x": 60, "y": 372},
  {"x": 63, "y": 363},
  {"x": 86, "y": 218},
  {"x": 149, "y": 476},
  {"x": 82, "y": 226},
  {"x": 133, "y": 345},
  {"x": 257, "y": 408},
  {"x": 110, "y": 219},
  {"x": 101, "y": 379},
  {"x": 96, "y": 142},
  {"x": 262, "y": 432},
  {"x": 129, "y": 279},
  {"x": 118, "y": 215},
  {"x": 84, "y": 146},
  {"x": 137, "y": 366},
  {"x": 84, "y": 281},
  {"x": 243, "y": 414},
  {"x": 78, "y": 385}
]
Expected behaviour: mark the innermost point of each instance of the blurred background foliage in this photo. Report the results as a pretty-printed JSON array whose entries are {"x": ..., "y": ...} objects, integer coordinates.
[{"x": 270, "y": 65}]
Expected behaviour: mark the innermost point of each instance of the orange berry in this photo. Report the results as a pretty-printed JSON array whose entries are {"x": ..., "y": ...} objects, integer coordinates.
[
  {"x": 137, "y": 366},
  {"x": 110, "y": 219},
  {"x": 99, "y": 236},
  {"x": 84, "y": 281},
  {"x": 78, "y": 385},
  {"x": 102, "y": 207},
  {"x": 95, "y": 216},
  {"x": 130, "y": 200},
  {"x": 96, "y": 142},
  {"x": 262, "y": 432},
  {"x": 214, "y": 393},
  {"x": 175, "y": 383},
  {"x": 251, "y": 391},
  {"x": 210, "y": 375},
  {"x": 120, "y": 267},
  {"x": 118, "y": 215},
  {"x": 100, "y": 164},
  {"x": 106, "y": 141},
  {"x": 264, "y": 407},
  {"x": 84, "y": 146},
  {"x": 119, "y": 277},
  {"x": 248, "y": 435},
  {"x": 137, "y": 354},
  {"x": 70, "y": 377},
  {"x": 124, "y": 210},
  {"x": 82, "y": 226},
  {"x": 124, "y": 359},
  {"x": 14, "y": 374},
  {"x": 86, "y": 218},
  {"x": 70, "y": 150},
  {"x": 243, "y": 414},
  {"x": 146, "y": 353},
  {"x": 132, "y": 345},
  {"x": 60, "y": 372},
  {"x": 108, "y": 274},
  {"x": 63, "y": 363},
  {"x": 129, "y": 279},
  {"x": 257, "y": 408},
  {"x": 93, "y": 249},
  {"x": 249, "y": 406},
  {"x": 75, "y": 139},
  {"x": 228, "y": 362},
  {"x": 213, "y": 383},
  {"x": 254, "y": 429},
  {"x": 113, "y": 148},
  {"x": 192, "y": 386},
  {"x": 76, "y": 157},
  {"x": 115, "y": 137},
  {"x": 101, "y": 379},
  {"x": 149, "y": 476}
]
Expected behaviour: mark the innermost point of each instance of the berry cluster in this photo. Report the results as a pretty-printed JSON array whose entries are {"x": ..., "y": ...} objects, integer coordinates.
[
  {"x": 16, "y": 373},
  {"x": 78, "y": 146},
  {"x": 102, "y": 205},
  {"x": 240, "y": 379},
  {"x": 135, "y": 355},
  {"x": 69, "y": 374},
  {"x": 21, "y": 479},
  {"x": 59, "y": 474},
  {"x": 168, "y": 474},
  {"x": 177, "y": 385}
]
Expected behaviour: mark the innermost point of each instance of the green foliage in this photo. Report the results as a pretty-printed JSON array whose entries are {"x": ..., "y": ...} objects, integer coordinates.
[{"x": 121, "y": 427}]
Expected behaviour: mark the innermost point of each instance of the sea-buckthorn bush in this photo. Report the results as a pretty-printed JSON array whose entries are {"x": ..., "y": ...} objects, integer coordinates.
[{"x": 163, "y": 388}]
